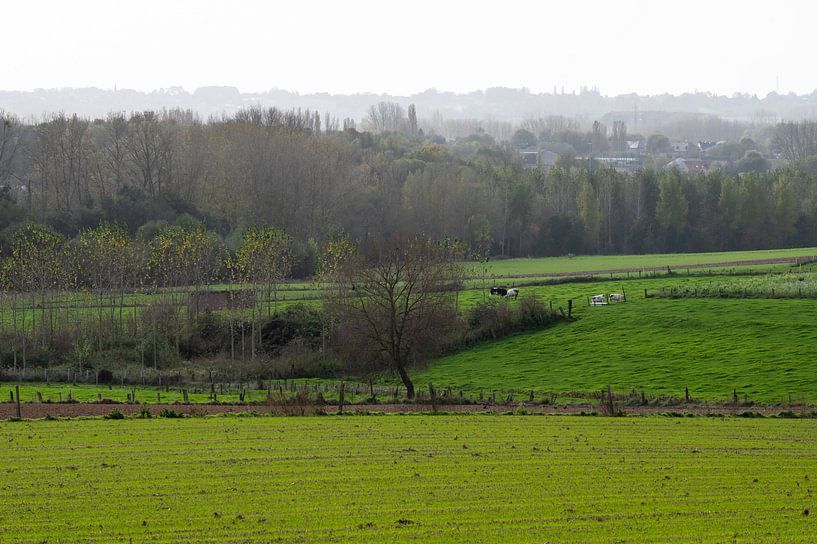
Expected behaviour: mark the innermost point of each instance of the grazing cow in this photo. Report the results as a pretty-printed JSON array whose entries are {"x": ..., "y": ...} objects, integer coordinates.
[
  {"x": 499, "y": 291},
  {"x": 616, "y": 297},
  {"x": 597, "y": 300},
  {"x": 512, "y": 293}
]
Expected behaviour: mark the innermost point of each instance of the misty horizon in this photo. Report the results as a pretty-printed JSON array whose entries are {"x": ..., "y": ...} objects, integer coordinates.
[
  {"x": 628, "y": 47},
  {"x": 556, "y": 91},
  {"x": 507, "y": 105}
]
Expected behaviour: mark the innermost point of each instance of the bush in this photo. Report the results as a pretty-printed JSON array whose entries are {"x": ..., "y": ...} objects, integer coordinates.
[
  {"x": 498, "y": 318},
  {"x": 299, "y": 361},
  {"x": 114, "y": 414},
  {"x": 104, "y": 376},
  {"x": 298, "y": 323},
  {"x": 170, "y": 414},
  {"x": 209, "y": 334}
]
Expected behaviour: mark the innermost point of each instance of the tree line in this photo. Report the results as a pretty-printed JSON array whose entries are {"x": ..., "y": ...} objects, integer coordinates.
[{"x": 314, "y": 176}]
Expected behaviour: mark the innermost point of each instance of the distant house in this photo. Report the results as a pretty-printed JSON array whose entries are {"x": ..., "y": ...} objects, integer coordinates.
[
  {"x": 543, "y": 158},
  {"x": 680, "y": 146},
  {"x": 706, "y": 146},
  {"x": 547, "y": 158},
  {"x": 625, "y": 165},
  {"x": 692, "y": 166},
  {"x": 530, "y": 159},
  {"x": 635, "y": 146}
]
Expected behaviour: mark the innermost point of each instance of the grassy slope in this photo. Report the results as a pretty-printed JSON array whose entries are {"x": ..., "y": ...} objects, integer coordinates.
[
  {"x": 400, "y": 479},
  {"x": 551, "y": 265},
  {"x": 763, "y": 348}
]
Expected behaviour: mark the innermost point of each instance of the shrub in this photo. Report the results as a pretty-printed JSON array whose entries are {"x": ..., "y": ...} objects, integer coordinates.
[
  {"x": 299, "y": 323},
  {"x": 299, "y": 361},
  {"x": 170, "y": 414},
  {"x": 114, "y": 414},
  {"x": 209, "y": 334},
  {"x": 498, "y": 318},
  {"x": 104, "y": 376}
]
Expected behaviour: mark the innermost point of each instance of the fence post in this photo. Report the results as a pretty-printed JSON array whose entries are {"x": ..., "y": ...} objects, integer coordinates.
[
  {"x": 686, "y": 394},
  {"x": 570, "y": 308},
  {"x": 433, "y": 394},
  {"x": 341, "y": 397},
  {"x": 19, "y": 408},
  {"x": 611, "y": 406}
]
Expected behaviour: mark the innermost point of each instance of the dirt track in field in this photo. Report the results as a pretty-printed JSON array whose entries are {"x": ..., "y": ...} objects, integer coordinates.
[
  {"x": 41, "y": 410},
  {"x": 727, "y": 264}
]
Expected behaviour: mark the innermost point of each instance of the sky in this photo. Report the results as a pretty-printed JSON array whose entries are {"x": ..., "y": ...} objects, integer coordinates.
[{"x": 349, "y": 46}]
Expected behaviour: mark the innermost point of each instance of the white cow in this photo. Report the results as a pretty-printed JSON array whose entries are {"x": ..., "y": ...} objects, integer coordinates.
[{"x": 512, "y": 293}]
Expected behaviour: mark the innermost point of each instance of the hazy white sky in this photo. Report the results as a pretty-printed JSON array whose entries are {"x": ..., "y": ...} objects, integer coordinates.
[{"x": 349, "y": 46}]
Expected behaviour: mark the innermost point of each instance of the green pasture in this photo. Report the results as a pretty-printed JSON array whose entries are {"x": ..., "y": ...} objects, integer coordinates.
[
  {"x": 354, "y": 392},
  {"x": 88, "y": 307},
  {"x": 70, "y": 308},
  {"x": 793, "y": 283},
  {"x": 763, "y": 348},
  {"x": 486, "y": 478},
  {"x": 63, "y": 392},
  {"x": 585, "y": 263}
]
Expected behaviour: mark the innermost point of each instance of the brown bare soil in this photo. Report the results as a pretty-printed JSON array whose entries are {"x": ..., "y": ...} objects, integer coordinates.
[{"x": 40, "y": 410}]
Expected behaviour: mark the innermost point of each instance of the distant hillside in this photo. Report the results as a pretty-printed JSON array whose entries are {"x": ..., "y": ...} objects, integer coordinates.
[{"x": 497, "y": 104}]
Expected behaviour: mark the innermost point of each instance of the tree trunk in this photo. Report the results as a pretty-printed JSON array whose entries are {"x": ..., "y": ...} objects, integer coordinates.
[{"x": 406, "y": 381}]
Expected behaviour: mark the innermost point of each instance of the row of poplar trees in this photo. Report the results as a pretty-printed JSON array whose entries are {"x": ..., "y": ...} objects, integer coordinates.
[{"x": 102, "y": 289}]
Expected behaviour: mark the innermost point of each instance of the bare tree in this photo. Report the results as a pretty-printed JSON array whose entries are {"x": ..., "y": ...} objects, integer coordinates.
[
  {"x": 797, "y": 141},
  {"x": 143, "y": 150},
  {"x": 398, "y": 303},
  {"x": 9, "y": 144},
  {"x": 386, "y": 116},
  {"x": 60, "y": 159},
  {"x": 114, "y": 148}
]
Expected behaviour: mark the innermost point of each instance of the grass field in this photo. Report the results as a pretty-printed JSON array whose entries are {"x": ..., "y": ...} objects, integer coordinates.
[
  {"x": 762, "y": 348},
  {"x": 583, "y": 263},
  {"x": 69, "y": 308},
  {"x": 63, "y": 392},
  {"x": 409, "y": 478}
]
